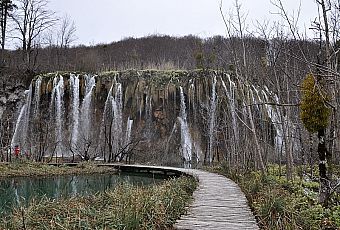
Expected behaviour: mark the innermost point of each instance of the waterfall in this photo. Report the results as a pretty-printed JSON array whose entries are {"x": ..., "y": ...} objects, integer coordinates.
[
  {"x": 230, "y": 93},
  {"x": 140, "y": 107},
  {"x": 191, "y": 98},
  {"x": 106, "y": 113},
  {"x": 105, "y": 119},
  {"x": 186, "y": 142},
  {"x": 128, "y": 133},
  {"x": 86, "y": 117},
  {"x": 117, "y": 132},
  {"x": 27, "y": 120},
  {"x": 275, "y": 118},
  {"x": 231, "y": 99},
  {"x": 212, "y": 114},
  {"x": 37, "y": 96},
  {"x": 108, "y": 103},
  {"x": 148, "y": 107},
  {"x": 145, "y": 110},
  {"x": 22, "y": 124},
  {"x": 55, "y": 82},
  {"x": 173, "y": 131},
  {"x": 74, "y": 81},
  {"x": 148, "y": 116},
  {"x": 59, "y": 105},
  {"x": 18, "y": 124}
]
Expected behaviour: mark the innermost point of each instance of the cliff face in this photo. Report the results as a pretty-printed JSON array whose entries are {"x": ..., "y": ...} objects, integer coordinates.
[
  {"x": 162, "y": 117},
  {"x": 13, "y": 85}
]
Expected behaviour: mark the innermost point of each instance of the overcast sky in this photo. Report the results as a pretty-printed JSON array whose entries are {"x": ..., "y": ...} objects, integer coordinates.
[{"x": 104, "y": 21}]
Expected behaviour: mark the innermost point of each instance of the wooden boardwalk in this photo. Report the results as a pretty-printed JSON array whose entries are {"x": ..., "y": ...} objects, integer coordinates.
[{"x": 218, "y": 204}]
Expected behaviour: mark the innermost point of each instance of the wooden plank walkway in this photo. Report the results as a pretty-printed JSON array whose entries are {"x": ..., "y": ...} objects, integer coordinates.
[{"x": 218, "y": 204}]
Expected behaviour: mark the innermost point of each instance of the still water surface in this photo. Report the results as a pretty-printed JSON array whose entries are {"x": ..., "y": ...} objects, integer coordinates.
[{"x": 20, "y": 190}]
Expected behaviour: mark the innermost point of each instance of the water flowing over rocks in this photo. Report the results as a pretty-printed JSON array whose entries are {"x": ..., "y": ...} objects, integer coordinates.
[{"x": 181, "y": 118}]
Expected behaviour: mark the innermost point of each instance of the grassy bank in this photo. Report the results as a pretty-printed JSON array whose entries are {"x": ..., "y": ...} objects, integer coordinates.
[
  {"x": 125, "y": 207},
  {"x": 40, "y": 169},
  {"x": 281, "y": 204}
]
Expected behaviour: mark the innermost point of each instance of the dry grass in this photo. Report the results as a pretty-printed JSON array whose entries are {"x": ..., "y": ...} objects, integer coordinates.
[
  {"x": 40, "y": 169},
  {"x": 125, "y": 207},
  {"x": 281, "y": 204}
]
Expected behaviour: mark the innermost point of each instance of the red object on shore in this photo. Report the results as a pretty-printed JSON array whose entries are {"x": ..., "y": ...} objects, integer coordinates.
[{"x": 16, "y": 150}]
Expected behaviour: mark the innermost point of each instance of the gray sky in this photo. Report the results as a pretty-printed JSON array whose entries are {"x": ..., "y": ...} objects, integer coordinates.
[{"x": 111, "y": 20}]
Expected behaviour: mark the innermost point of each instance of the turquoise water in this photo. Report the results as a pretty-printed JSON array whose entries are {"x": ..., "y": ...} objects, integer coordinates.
[{"x": 20, "y": 190}]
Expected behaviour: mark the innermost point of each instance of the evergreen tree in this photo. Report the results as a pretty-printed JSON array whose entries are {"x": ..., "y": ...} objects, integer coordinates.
[{"x": 315, "y": 116}]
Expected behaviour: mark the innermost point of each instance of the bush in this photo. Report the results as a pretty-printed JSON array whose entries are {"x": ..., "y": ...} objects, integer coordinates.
[
  {"x": 281, "y": 204},
  {"x": 314, "y": 113}
]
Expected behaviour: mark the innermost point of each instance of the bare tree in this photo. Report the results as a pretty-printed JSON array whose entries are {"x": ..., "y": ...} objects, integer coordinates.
[
  {"x": 235, "y": 25},
  {"x": 324, "y": 71},
  {"x": 6, "y": 6},
  {"x": 66, "y": 33},
  {"x": 32, "y": 18},
  {"x": 65, "y": 36}
]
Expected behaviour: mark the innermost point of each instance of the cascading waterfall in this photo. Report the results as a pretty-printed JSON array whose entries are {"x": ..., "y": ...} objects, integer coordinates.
[
  {"x": 26, "y": 126},
  {"x": 140, "y": 107},
  {"x": 105, "y": 117},
  {"x": 275, "y": 117},
  {"x": 16, "y": 136},
  {"x": 112, "y": 121},
  {"x": 173, "y": 131},
  {"x": 85, "y": 116},
  {"x": 22, "y": 125},
  {"x": 59, "y": 109},
  {"x": 231, "y": 99},
  {"x": 143, "y": 113},
  {"x": 211, "y": 134},
  {"x": 148, "y": 116},
  {"x": 74, "y": 81},
  {"x": 191, "y": 98},
  {"x": 37, "y": 96},
  {"x": 128, "y": 133},
  {"x": 55, "y": 82},
  {"x": 117, "y": 131},
  {"x": 186, "y": 142}
]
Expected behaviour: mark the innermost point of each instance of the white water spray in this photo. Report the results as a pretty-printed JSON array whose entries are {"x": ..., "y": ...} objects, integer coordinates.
[
  {"x": 74, "y": 80},
  {"x": 59, "y": 108},
  {"x": 212, "y": 122},
  {"x": 186, "y": 141},
  {"x": 37, "y": 96},
  {"x": 22, "y": 124},
  {"x": 86, "y": 118}
]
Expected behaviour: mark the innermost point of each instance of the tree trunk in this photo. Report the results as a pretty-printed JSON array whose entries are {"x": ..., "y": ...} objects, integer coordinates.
[
  {"x": 324, "y": 181},
  {"x": 3, "y": 31},
  {"x": 257, "y": 144}
]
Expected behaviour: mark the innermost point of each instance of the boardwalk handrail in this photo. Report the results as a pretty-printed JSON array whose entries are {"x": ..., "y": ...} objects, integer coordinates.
[{"x": 166, "y": 171}]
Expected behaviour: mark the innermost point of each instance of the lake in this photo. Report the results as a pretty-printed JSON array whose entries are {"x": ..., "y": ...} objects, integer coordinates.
[{"x": 17, "y": 191}]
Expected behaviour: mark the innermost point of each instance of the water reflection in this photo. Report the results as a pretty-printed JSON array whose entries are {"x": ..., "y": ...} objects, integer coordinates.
[{"x": 20, "y": 190}]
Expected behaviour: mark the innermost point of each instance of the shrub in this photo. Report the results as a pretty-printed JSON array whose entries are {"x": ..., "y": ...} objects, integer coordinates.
[{"x": 314, "y": 112}]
